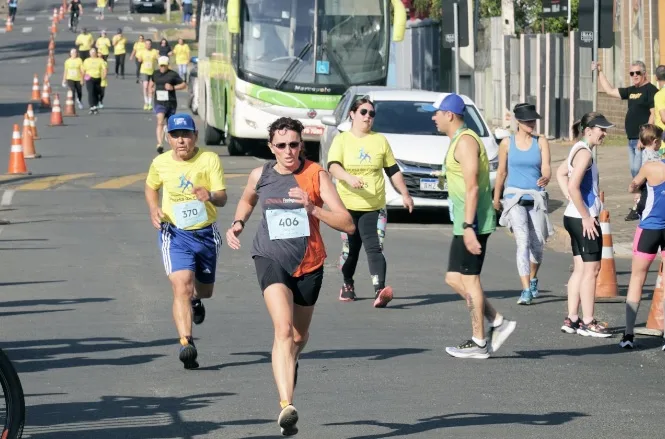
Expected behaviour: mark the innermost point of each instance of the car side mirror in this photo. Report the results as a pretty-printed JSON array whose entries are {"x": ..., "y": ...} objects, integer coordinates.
[
  {"x": 344, "y": 126},
  {"x": 500, "y": 134},
  {"x": 329, "y": 121}
]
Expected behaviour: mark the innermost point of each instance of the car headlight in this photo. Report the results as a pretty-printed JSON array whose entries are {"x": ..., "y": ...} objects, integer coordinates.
[{"x": 494, "y": 164}]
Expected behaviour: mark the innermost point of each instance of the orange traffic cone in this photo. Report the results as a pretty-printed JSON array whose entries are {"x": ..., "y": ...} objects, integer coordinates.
[
  {"x": 62, "y": 13},
  {"x": 606, "y": 282},
  {"x": 16, "y": 159},
  {"x": 28, "y": 141},
  {"x": 33, "y": 126},
  {"x": 54, "y": 27},
  {"x": 56, "y": 113},
  {"x": 35, "y": 88},
  {"x": 9, "y": 26},
  {"x": 46, "y": 95},
  {"x": 55, "y": 14},
  {"x": 51, "y": 43},
  {"x": 70, "y": 110},
  {"x": 49, "y": 66},
  {"x": 655, "y": 320}
]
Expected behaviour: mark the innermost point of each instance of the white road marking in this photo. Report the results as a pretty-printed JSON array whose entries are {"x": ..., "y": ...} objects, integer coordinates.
[
  {"x": 7, "y": 197},
  {"x": 152, "y": 29},
  {"x": 2, "y": 30},
  {"x": 26, "y": 30},
  {"x": 122, "y": 18},
  {"x": 29, "y": 18},
  {"x": 145, "y": 20}
]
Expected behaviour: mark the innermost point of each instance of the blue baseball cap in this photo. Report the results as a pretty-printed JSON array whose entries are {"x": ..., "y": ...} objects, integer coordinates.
[
  {"x": 447, "y": 102},
  {"x": 181, "y": 121}
]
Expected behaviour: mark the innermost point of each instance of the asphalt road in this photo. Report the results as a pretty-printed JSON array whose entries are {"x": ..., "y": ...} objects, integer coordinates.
[{"x": 85, "y": 311}]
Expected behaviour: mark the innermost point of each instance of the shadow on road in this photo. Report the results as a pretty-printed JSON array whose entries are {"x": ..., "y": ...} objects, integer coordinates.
[
  {"x": 436, "y": 298},
  {"x": 42, "y": 355},
  {"x": 462, "y": 420},
  {"x": 369, "y": 354},
  {"x": 53, "y": 302},
  {"x": 30, "y": 282},
  {"x": 133, "y": 417}
]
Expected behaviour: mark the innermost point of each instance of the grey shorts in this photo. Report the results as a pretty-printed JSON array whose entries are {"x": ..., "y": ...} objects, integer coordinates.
[{"x": 145, "y": 78}]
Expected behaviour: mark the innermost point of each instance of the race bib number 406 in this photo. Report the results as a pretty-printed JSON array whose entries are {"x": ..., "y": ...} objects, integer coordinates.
[
  {"x": 287, "y": 223},
  {"x": 189, "y": 213}
]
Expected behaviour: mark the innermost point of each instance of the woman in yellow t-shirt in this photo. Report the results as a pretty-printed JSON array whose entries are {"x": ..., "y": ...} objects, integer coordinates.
[
  {"x": 103, "y": 44},
  {"x": 72, "y": 77},
  {"x": 181, "y": 51},
  {"x": 138, "y": 47},
  {"x": 357, "y": 160},
  {"x": 93, "y": 71},
  {"x": 148, "y": 58},
  {"x": 119, "y": 50},
  {"x": 101, "y": 5}
]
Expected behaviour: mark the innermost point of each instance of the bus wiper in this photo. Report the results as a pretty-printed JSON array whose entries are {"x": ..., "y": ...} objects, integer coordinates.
[
  {"x": 337, "y": 65},
  {"x": 292, "y": 66}
]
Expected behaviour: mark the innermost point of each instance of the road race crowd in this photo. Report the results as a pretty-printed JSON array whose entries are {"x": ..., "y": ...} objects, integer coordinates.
[{"x": 288, "y": 250}]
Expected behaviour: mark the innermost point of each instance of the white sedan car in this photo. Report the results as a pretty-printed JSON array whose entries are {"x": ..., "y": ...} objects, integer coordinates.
[{"x": 417, "y": 145}]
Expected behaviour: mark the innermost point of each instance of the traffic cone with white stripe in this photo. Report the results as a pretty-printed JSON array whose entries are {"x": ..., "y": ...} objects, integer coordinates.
[
  {"x": 49, "y": 66},
  {"x": 33, "y": 126},
  {"x": 46, "y": 95},
  {"x": 606, "y": 282},
  {"x": 35, "y": 88},
  {"x": 61, "y": 16},
  {"x": 51, "y": 43},
  {"x": 28, "y": 141},
  {"x": 9, "y": 26},
  {"x": 655, "y": 321},
  {"x": 16, "y": 160},
  {"x": 70, "y": 109},
  {"x": 56, "y": 113}
]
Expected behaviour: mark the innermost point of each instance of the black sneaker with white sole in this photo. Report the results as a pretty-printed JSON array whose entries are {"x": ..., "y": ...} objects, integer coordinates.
[
  {"x": 288, "y": 418},
  {"x": 188, "y": 353},
  {"x": 627, "y": 341}
]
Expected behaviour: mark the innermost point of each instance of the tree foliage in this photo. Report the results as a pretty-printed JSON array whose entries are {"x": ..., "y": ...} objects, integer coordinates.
[{"x": 527, "y": 14}]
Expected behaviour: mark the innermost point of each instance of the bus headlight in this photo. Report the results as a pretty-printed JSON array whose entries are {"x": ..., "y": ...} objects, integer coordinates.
[{"x": 252, "y": 101}]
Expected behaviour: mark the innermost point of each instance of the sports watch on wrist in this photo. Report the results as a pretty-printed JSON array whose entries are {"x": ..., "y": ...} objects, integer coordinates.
[
  {"x": 242, "y": 223},
  {"x": 468, "y": 226}
]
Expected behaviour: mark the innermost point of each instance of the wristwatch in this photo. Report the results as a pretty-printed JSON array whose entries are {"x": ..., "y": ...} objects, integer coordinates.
[
  {"x": 468, "y": 226},
  {"x": 238, "y": 221}
]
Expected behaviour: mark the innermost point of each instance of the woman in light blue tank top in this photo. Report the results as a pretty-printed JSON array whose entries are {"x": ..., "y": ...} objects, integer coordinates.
[{"x": 524, "y": 171}]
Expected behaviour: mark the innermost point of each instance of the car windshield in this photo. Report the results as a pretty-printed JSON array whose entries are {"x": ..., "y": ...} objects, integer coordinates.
[
  {"x": 409, "y": 117},
  {"x": 328, "y": 42}
]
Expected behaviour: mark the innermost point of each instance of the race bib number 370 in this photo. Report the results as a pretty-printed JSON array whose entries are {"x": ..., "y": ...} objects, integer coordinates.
[
  {"x": 189, "y": 213},
  {"x": 287, "y": 223}
]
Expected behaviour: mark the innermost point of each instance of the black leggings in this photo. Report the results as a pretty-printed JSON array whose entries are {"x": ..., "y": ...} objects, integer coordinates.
[
  {"x": 120, "y": 64},
  {"x": 76, "y": 88},
  {"x": 138, "y": 67},
  {"x": 102, "y": 92},
  {"x": 370, "y": 231},
  {"x": 94, "y": 91},
  {"x": 12, "y": 13}
]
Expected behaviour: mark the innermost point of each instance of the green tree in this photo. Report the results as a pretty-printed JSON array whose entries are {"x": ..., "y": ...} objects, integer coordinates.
[{"x": 528, "y": 17}]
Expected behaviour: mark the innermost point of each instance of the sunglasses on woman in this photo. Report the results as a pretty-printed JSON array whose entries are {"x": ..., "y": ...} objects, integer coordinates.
[
  {"x": 292, "y": 145},
  {"x": 364, "y": 111}
]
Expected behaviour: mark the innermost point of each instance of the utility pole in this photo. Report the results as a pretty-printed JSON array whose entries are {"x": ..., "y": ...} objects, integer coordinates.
[{"x": 508, "y": 15}]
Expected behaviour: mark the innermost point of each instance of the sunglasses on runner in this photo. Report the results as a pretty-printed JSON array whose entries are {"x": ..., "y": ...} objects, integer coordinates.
[
  {"x": 364, "y": 111},
  {"x": 292, "y": 145},
  {"x": 635, "y": 73}
]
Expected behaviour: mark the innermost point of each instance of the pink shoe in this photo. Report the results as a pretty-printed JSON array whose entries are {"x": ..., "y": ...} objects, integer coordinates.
[{"x": 383, "y": 297}]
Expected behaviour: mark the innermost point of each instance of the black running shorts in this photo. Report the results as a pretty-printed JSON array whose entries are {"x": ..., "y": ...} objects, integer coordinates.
[
  {"x": 305, "y": 288},
  {"x": 591, "y": 250},
  {"x": 463, "y": 262}
]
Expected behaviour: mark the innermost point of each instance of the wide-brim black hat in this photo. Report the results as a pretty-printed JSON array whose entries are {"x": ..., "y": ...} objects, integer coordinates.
[{"x": 525, "y": 112}]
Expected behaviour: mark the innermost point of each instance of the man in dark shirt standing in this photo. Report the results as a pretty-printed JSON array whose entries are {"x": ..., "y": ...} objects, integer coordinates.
[
  {"x": 165, "y": 82},
  {"x": 640, "y": 97}
]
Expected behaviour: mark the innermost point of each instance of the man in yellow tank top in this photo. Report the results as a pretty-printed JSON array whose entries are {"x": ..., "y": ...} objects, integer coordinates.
[
  {"x": 148, "y": 58},
  {"x": 466, "y": 169},
  {"x": 72, "y": 76}
]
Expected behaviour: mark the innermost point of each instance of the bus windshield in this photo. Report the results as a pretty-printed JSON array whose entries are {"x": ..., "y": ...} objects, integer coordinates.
[{"x": 315, "y": 42}]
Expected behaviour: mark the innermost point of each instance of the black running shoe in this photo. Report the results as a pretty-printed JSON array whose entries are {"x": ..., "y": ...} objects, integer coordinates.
[
  {"x": 198, "y": 311},
  {"x": 347, "y": 293},
  {"x": 188, "y": 353},
  {"x": 632, "y": 215},
  {"x": 287, "y": 420},
  {"x": 627, "y": 341}
]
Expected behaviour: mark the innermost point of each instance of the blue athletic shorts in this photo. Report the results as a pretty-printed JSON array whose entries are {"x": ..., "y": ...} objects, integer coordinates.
[{"x": 193, "y": 250}]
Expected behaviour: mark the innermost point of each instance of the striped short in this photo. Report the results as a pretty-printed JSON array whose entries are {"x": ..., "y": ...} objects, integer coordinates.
[
  {"x": 193, "y": 250},
  {"x": 647, "y": 242}
]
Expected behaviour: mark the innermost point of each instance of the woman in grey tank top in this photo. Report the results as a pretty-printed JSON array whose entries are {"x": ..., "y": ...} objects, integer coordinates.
[{"x": 288, "y": 250}]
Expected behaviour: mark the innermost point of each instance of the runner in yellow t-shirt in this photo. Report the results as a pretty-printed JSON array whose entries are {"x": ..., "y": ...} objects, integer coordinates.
[
  {"x": 358, "y": 159},
  {"x": 193, "y": 187},
  {"x": 84, "y": 41},
  {"x": 93, "y": 72},
  {"x": 101, "y": 5},
  {"x": 659, "y": 99},
  {"x": 119, "y": 50},
  {"x": 72, "y": 76},
  {"x": 103, "y": 44},
  {"x": 138, "y": 47},
  {"x": 148, "y": 58},
  {"x": 181, "y": 51}
]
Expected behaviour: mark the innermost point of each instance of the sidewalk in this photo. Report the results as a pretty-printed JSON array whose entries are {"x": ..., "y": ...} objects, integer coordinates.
[{"x": 614, "y": 179}]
